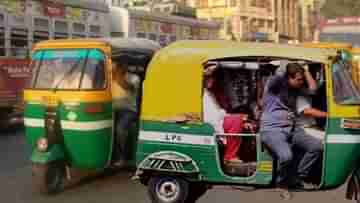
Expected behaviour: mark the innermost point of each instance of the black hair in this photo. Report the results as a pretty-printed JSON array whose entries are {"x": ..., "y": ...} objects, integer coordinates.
[{"x": 292, "y": 69}]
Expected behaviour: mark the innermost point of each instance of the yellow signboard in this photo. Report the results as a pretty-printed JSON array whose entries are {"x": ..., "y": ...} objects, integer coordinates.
[{"x": 74, "y": 13}]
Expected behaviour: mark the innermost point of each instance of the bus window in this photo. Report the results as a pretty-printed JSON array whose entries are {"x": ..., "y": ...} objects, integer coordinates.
[
  {"x": 41, "y": 29},
  {"x": 41, "y": 24},
  {"x": 78, "y": 28},
  {"x": 2, "y": 18},
  {"x": 40, "y": 36},
  {"x": 172, "y": 38},
  {"x": 18, "y": 42},
  {"x": 76, "y": 36},
  {"x": 141, "y": 35},
  {"x": 95, "y": 29},
  {"x": 153, "y": 36},
  {"x": 117, "y": 34},
  {"x": 2, "y": 42},
  {"x": 61, "y": 30},
  {"x": 61, "y": 36}
]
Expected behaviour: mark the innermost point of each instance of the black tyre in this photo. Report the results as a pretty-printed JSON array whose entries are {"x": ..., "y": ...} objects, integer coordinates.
[
  {"x": 165, "y": 189},
  {"x": 49, "y": 178}
]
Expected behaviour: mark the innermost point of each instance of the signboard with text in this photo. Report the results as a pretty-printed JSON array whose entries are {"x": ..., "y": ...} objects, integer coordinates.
[
  {"x": 15, "y": 75},
  {"x": 53, "y": 9}
]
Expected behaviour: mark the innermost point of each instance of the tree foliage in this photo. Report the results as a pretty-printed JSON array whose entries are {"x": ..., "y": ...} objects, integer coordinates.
[{"x": 336, "y": 8}]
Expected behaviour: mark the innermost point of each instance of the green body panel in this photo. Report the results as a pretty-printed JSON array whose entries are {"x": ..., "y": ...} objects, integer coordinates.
[
  {"x": 206, "y": 157},
  {"x": 32, "y": 134},
  {"x": 55, "y": 153},
  {"x": 340, "y": 158},
  {"x": 88, "y": 150},
  {"x": 84, "y": 148}
]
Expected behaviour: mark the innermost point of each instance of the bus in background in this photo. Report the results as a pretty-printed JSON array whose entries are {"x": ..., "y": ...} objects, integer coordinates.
[
  {"x": 340, "y": 29},
  {"x": 160, "y": 27},
  {"x": 24, "y": 23}
]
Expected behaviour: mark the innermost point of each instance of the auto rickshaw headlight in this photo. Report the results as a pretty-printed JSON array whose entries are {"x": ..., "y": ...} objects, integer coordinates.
[{"x": 42, "y": 144}]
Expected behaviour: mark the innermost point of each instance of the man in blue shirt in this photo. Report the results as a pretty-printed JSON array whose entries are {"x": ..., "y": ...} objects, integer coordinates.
[{"x": 278, "y": 128}]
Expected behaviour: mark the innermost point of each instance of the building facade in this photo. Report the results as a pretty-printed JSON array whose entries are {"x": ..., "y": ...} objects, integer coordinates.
[
  {"x": 309, "y": 15},
  {"x": 190, "y": 3},
  {"x": 174, "y": 7},
  {"x": 245, "y": 20},
  {"x": 118, "y": 3},
  {"x": 286, "y": 20},
  {"x": 171, "y": 7}
]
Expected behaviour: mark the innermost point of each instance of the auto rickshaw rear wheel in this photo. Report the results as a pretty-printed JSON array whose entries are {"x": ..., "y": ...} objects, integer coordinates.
[
  {"x": 168, "y": 189},
  {"x": 49, "y": 178}
]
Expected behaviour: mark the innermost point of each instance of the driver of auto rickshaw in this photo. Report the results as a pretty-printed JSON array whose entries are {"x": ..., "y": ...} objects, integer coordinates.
[
  {"x": 215, "y": 103},
  {"x": 278, "y": 128}
]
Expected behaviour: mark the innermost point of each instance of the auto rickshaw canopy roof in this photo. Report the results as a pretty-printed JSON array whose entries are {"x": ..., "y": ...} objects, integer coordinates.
[
  {"x": 131, "y": 51},
  {"x": 117, "y": 45},
  {"x": 173, "y": 84}
]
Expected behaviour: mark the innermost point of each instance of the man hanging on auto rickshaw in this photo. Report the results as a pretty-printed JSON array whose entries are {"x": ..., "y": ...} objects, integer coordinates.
[
  {"x": 278, "y": 128},
  {"x": 125, "y": 86}
]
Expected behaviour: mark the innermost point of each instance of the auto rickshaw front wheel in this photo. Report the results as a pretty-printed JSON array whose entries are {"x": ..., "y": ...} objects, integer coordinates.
[
  {"x": 167, "y": 189},
  {"x": 49, "y": 178}
]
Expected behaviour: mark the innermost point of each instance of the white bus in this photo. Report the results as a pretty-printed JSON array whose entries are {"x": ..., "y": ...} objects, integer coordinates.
[
  {"x": 159, "y": 27},
  {"x": 23, "y": 23}
]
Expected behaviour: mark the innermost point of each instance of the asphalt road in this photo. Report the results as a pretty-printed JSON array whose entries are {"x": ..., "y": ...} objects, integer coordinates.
[{"x": 16, "y": 187}]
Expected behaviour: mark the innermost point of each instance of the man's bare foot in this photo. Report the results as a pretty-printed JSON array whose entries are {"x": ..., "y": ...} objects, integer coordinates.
[{"x": 285, "y": 194}]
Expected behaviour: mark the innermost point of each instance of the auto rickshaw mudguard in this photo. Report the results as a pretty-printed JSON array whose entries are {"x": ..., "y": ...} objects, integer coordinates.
[
  {"x": 55, "y": 152},
  {"x": 170, "y": 162}
]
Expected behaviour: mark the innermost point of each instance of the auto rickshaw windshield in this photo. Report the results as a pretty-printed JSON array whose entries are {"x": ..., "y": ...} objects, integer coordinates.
[
  {"x": 345, "y": 91},
  {"x": 68, "y": 69}
]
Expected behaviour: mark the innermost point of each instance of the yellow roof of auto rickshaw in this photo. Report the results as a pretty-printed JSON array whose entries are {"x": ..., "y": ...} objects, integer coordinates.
[
  {"x": 130, "y": 44},
  {"x": 333, "y": 45},
  {"x": 213, "y": 49},
  {"x": 173, "y": 84}
]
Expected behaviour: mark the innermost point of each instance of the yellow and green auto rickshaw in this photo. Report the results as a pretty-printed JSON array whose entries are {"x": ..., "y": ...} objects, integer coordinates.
[
  {"x": 179, "y": 156},
  {"x": 69, "y": 111}
]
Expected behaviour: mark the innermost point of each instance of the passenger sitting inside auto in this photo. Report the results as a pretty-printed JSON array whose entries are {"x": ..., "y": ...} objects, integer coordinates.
[
  {"x": 307, "y": 116},
  {"x": 221, "y": 120}
]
